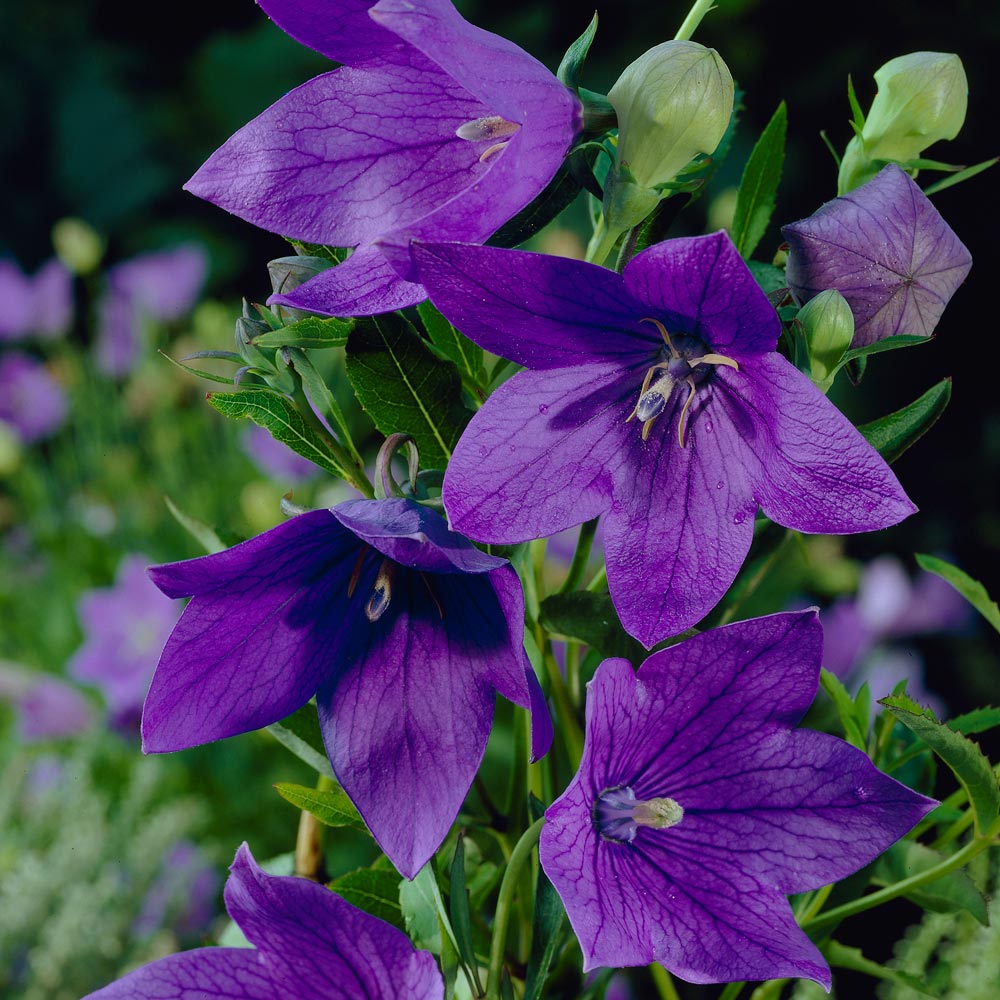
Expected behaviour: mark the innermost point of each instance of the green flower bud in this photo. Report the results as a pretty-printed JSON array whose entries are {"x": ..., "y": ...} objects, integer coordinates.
[
  {"x": 78, "y": 245},
  {"x": 827, "y": 327},
  {"x": 921, "y": 99}
]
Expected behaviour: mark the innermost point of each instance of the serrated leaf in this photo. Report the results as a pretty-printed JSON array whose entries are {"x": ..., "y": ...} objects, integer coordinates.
[
  {"x": 312, "y": 332},
  {"x": 545, "y": 937},
  {"x": 759, "y": 185},
  {"x": 467, "y": 356},
  {"x": 560, "y": 192},
  {"x": 979, "y": 720},
  {"x": 572, "y": 62},
  {"x": 590, "y": 619},
  {"x": 406, "y": 389},
  {"x": 842, "y": 957},
  {"x": 199, "y": 531},
  {"x": 893, "y": 434},
  {"x": 964, "y": 757},
  {"x": 275, "y": 412},
  {"x": 330, "y": 806},
  {"x": 855, "y": 730},
  {"x": 376, "y": 891},
  {"x": 424, "y": 912},
  {"x": 972, "y": 590},
  {"x": 300, "y": 733},
  {"x": 948, "y": 894}
]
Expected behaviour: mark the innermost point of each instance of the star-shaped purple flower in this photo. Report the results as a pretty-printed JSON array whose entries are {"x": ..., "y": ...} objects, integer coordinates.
[
  {"x": 39, "y": 305},
  {"x": 32, "y": 401},
  {"x": 433, "y": 129},
  {"x": 404, "y": 632},
  {"x": 697, "y": 807},
  {"x": 887, "y": 250},
  {"x": 307, "y": 942},
  {"x": 655, "y": 398}
]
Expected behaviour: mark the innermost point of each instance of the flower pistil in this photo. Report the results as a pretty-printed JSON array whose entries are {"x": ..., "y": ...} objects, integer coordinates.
[
  {"x": 618, "y": 814},
  {"x": 492, "y": 127}
]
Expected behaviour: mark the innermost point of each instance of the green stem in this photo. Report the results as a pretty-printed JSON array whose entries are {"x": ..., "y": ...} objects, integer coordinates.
[
  {"x": 599, "y": 581},
  {"x": 573, "y": 684},
  {"x": 664, "y": 982},
  {"x": 957, "y": 860},
  {"x": 732, "y": 991},
  {"x": 955, "y": 830},
  {"x": 694, "y": 18},
  {"x": 584, "y": 544},
  {"x": 505, "y": 903},
  {"x": 572, "y": 736},
  {"x": 755, "y": 581},
  {"x": 772, "y": 988}
]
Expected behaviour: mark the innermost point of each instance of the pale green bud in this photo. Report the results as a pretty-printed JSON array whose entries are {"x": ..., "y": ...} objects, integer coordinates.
[
  {"x": 921, "y": 99},
  {"x": 827, "y": 325},
  {"x": 78, "y": 245}
]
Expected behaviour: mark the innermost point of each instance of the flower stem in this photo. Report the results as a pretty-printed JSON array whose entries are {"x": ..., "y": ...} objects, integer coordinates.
[
  {"x": 505, "y": 904},
  {"x": 732, "y": 991},
  {"x": 664, "y": 982},
  {"x": 694, "y": 18},
  {"x": 309, "y": 840}
]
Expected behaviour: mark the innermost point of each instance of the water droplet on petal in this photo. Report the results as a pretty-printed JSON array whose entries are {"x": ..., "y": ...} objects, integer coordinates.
[
  {"x": 542, "y": 409},
  {"x": 709, "y": 427},
  {"x": 483, "y": 451},
  {"x": 739, "y": 517},
  {"x": 719, "y": 485}
]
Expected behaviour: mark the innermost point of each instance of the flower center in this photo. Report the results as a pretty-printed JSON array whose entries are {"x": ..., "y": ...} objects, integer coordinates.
[
  {"x": 482, "y": 129},
  {"x": 618, "y": 814},
  {"x": 684, "y": 364}
]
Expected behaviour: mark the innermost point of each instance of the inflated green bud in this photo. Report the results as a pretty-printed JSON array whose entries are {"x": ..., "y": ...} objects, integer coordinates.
[
  {"x": 921, "y": 99},
  {"x": 827, "y": 327},
  {"x": 78, "y": 245},
  {"x": 674, "y": 102}
]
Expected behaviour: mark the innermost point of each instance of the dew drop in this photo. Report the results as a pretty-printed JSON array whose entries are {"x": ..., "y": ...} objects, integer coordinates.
[
  {"x": 709, "y": 427},
  {"x": 483, "y": 451},
  {"x": 543, "y": 409},
  {"x": 739, "y": 517},
  {"x": 512, "y": 448},
  {"x": 719, "y": 485}
]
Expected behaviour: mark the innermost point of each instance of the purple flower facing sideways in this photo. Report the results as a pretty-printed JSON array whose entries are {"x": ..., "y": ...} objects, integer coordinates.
[
  {"x": 404, "y": 632},
  {"x": 887, "y": 250},
  {"x": 432, "y": 129},
  {"x": 40, "y": 305},
  {"x": 47, "y": 707},
  {"x": 32, "y": 402},
  {"x": 307, "y": 942},
  {"x": 697, "y": 808},
  {"x": 275, "y": 459},
  {"x": 655, "y": 398}
]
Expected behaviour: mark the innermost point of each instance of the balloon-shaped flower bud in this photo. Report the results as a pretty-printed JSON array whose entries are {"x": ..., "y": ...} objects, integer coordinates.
[
  {"x": 674, "y": 102},
  {"x": 921, "y": 99},
  {"x": 827, "y": 328}
]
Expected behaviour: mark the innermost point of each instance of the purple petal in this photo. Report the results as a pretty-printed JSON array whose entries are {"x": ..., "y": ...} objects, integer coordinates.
[
  {"x": 539, "y": 311},
  {"x": 540, "y": 455},
  {"x": 887, "y": 250},
  {"x": 257, "y": 639},
  {"x": 316, "y": 944},
  {"x": 201, "y": 974},
  {"x": 700, "y": 285},
  {"x": 53, "y": 300},
  {"x": 31, "y": 400},
  {"x": 814, "y": 470}
]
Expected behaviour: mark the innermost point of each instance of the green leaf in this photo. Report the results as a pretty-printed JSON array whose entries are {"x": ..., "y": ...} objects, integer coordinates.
[
  {"x": 962, "y": 175},
  {"x": 467, "y": 356},
  {"x": 312, "y": 332},
  {"x": 330, "y": 806},
  {"x": 278, "y": 414},
  {"x": 948, "y": 894},
  {"x": 300, "y": 733},
  {"x": 545, "y": 937},
  {"x": 972, "y": 590},
  {"x": 374, "y": 890},
  {"x": 424, "y": 912},
  {"x": 199, "y": 531},
  {"x": 891, "y": 435},
  {"x": 336, "y": 255},
  {"x": 979, "y": 720},
  {"x": 885, "y": 344},
  {"x": 576, "y": 55},
  {"x": 855, "y": 726},
  {"x": 769, "y": 277},
  {"x": 842, "y": 957},
  {"x": 590, "y": 619},
  {"x": 211, "y": 376},
  {"x": 461, "y": 919},
  {"x": 963, "y": 756},
  {"x": 405, "y": 388},
  {"x": 759, "y": 186},
  {"x": 560, "y": 192}
]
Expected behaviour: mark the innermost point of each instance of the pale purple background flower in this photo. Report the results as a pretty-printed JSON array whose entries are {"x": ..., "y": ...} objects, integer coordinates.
[
  {"x": 40, "y": 305},
  {"x": 158, "y": 287},
  {"x": 556, "y": 444},
  {"x": 125, "y": 627},
  {"x": 432, "y": 129},
  {"x": 275, "y": 459},
  {"x": 887, "y": 250},
  {"x": 307, "y": 942},
  {"x": 697, "y": 807},
  {"x": 183, "y": 896},
  {"x": 402, "y": 629},
  {"x": 46, "y": 706},
  {"x": 32, "y": 401}
]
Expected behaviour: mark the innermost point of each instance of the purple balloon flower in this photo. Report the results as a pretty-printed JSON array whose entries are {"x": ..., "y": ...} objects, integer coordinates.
[
  {"x": 697, "y": 807},
  {"x": 433, "y": 129},
  {"x": 41, "y": 304},
  {"x": 656, "y": 398},
  {"x": 32, "y": 402},
  {"x": 47, "y": 707},
  {"x": 887, "y": 250},
  {"x": 402, "y": 629},
  {"x": 307, "y": 942}
]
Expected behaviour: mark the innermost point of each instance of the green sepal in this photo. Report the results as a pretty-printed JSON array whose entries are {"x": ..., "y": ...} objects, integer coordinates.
[
  {"x": 278, "y": 414},
  {"x": 758, "y": 188},
  {"x": 198, "y": 530},
  {"x": 858, "y": 116},
  {"x": 591, "y": 619},
  {"x": 892, "y": 434},
  {"x": 948, "y": 894},
  {"x": 972, "y": 590},
  {"x": 330, "y": 806},
  {"x": 842, "y": 957},
  {"x": 453, "y": 345},
  {"x": 962, "y": 175},
  {"x": 560, "y": 192},
  {"x": 315, "y": 332},
  {"x": 405, "y": 388},
  {"x": 506, "y": 985},
  {"x": 572, "y": 62},
  {"x": 300, "y": 733},
  {"x": 423, "y": 911},
  {"x": 461, "y": 917},
  {"x": 335, "y": 255},
  {"x": 892, "y": 343},
  {"x": 211, "y": 376},
  {"x": 848, "y": 710},
  {"x": 546, "y": 937},
  {"x": 962, "y": 755},
  {"x": 374, "y": 890}
]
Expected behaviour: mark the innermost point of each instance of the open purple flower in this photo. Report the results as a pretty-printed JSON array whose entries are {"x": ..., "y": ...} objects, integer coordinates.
[
  {"x": 32, "y": 401},
  {"x": 47, "y": 707},
  {"x": 887, "y": 250},
  {"x": 307, "y": 942},
  {"x": 656, "y": 398},
  {"x": 697, "y": 807},
  {"x": 433, "y": 129},
  {"x": 40, "y": 304},
  {"x": 404, "y": 632}
]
